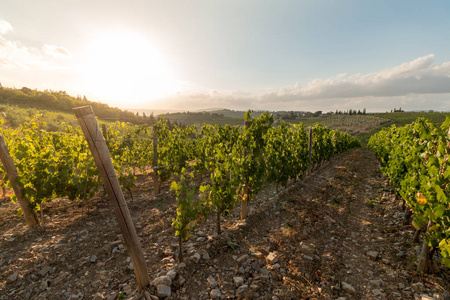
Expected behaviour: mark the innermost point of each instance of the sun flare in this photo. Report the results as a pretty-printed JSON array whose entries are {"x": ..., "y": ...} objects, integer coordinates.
[{"x": 124, "y": 65}]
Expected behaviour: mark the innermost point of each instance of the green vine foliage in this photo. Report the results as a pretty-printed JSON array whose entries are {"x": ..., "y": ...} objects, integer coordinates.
[
  {"x": 416, "y": 159},
  {"x": 189, "y": 206},
  {"x": 50, "y": 164}
]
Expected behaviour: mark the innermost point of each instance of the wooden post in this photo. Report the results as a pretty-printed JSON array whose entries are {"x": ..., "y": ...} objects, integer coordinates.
[
  {"x": 310, "y": 142},
  {"x": 102, "y": 158},
  {"x": 245, "y": 198},
  {"x": 105, "y": 132},
  {"x": 308, "y": 171},
  {"x": 156, "y": 183},
  {"x": 424, "y": 255},
  {"x": 11, "y": 170}
]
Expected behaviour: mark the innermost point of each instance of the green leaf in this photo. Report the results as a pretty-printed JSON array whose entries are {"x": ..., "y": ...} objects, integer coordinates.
[{"x": 439, "y": 211}]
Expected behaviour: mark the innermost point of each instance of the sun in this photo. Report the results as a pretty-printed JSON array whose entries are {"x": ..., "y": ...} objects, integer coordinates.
[{"x": 126, "y": 69}]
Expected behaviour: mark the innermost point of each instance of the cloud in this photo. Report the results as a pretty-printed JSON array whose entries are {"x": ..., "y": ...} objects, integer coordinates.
[
  {"x": 56, "y": 51},
  {"x": 406, "y": 83},
  {"x": 15, "y": 56},
  {"x": 419, "y": 76},
  {"x": 5, "y": 27}
]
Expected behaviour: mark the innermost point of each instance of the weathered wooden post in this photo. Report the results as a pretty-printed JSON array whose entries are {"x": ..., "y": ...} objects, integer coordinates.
[
  {"x": 156, "y": 183},
  {"x": 105, "y": 132},
  {"x": 11, "y": 170},
  {"x": 245, "y": 198},
  {"x": 422, "y": 266},
  {"x": 102, "y": 158},
  {"x": 310, "y": 142}
]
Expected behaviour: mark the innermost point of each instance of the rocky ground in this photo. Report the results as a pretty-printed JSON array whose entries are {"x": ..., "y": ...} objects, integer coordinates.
[{"x": 336, "y": 234}]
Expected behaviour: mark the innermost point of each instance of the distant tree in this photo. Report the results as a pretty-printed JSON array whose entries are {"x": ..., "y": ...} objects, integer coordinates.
[
  {"x": 26, "y": 90},
  {"x": 364, "y": 111},
  {"x": 317, "y": 113}
]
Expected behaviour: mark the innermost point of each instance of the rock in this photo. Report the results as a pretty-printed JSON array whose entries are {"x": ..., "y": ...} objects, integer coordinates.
[
  {"x": 257, "y": 265},
  {"x": 254, "y": 287},
  {"x": 44, "y": 285},
  {"x": 257, "y": 254},
  {"x": 172, "y": 274},
  {"x": 372, "y": 254},
  {"x": 45, "y": 270},
  {"x": 426, "y": 297},
  {"x": 98, "y": 296},
  {"x": 242, "y": 258},
  {"x": 238, "y": 281},
  {"x": 400, "y": 253},
  {"x": 181, "y": 280},
  {"x": 215, "y": 294},
  {"x": 272, "y": 258},
  {"x": 242, "y": 290},
  {"x": 111, "y": 296},
  {"x": 377, "y": 292},
  {"x": 348, "y": 288},
  {"x": 212, "y": 281},
  {"x": 13, "y": 277},
  {"x": 182, "y": 265},
  {"x": 195, "y": 258},
  {"x": 377, "y": 283},
  {"x": 401, "y": 286},
  {"x": 147, "y": 295},
  {"x": 417, "y": 287},
  {"x": 241, "y": 270},
  {"x": 163, "y": 280},
  {"x": 128, "y": 290},
  {"x": 206, "y": 256},
  {"x": 163, "y": 291},
  {"x": 93, "y": 258}
]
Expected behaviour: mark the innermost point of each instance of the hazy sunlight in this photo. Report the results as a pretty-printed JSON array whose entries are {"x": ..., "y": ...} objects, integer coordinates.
[{"x": 123, "y": 65}]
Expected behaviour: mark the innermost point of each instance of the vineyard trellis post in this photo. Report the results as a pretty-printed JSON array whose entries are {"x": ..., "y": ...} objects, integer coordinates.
[
  {"x": 102, "y": 158},
  {"x": 424, "y": 254},
  {"x": 245, "y": 198},
  {"x": 105, "y": 131},
  {"x": 310, "y": 151},
  {"x": 310, "y": 142},
  {"x": 156, "y": 183},
  {"x": 11, "y": 170}
]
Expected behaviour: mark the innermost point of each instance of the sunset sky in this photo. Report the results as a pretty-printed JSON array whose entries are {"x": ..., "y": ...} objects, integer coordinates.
[{"x": 236, "y": 54}]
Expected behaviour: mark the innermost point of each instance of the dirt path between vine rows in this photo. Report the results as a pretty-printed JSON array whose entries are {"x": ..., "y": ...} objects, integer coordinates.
[{"x": 335, "y": 234}]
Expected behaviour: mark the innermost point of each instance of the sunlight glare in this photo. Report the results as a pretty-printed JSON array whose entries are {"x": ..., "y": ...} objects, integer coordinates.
[{"x": 127, "y": 69}]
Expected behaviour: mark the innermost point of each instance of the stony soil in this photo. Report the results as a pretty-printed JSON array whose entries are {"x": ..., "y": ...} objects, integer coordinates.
[{"x": 336, "y": 234}]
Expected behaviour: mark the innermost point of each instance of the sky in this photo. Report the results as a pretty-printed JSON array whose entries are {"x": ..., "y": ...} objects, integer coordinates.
[{"x": 260, "y": 55}]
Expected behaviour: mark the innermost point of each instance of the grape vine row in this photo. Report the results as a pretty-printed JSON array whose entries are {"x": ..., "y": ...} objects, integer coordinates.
[{"x": 416, "y": 159}]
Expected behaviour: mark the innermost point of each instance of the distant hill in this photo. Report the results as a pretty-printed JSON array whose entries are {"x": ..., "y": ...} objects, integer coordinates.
[{"x": 60, "y": 101}]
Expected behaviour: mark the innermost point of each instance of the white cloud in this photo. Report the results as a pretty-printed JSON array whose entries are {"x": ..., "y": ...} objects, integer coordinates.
[
  {"x": 405, "y": 84},
  {"x": 56, "y": 51},
  {"x": 5, "y": 27},
  {"x": 15, "y": 56}
]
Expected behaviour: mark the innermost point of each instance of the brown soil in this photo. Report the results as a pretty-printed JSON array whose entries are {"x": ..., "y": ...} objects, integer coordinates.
[{"x": 336, "y": 229}]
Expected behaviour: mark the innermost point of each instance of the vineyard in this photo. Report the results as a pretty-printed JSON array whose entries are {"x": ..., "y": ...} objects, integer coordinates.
[
  {"x": 198, "y": 195},
  {"x": 416, "y": 159}
]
